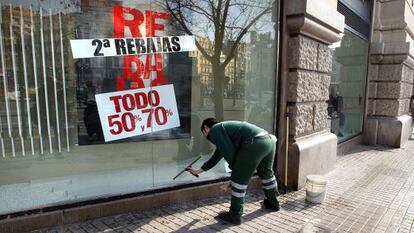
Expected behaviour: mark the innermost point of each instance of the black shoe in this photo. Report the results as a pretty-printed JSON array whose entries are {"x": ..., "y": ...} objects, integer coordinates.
[
  {"x": 227, "y": 217},
  {"x": 267, "y": 205}
]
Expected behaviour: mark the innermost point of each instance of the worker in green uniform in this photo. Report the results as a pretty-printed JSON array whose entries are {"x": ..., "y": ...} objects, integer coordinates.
[{"x": 246, "y": 148}]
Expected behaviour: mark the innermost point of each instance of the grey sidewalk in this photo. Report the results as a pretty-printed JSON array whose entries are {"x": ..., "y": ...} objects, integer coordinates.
[{"x": 370, "y": 190}]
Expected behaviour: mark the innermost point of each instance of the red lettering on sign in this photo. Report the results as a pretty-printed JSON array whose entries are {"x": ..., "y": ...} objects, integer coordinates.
[
  {"x": 128, "y": 102},
  {"x": 128, "y": 74},
  {"x": 113, "y": 122},
  {"x": 142, "y": 71},
  {"x": 136, "y": 109},
  {"x": 150, "y": 111},
  {"x": 131, "y": 126},
  {"x": 151, "y": 25},
  {"x": 154, "y": 98},
  {"x": 126, "y": 123},
  {"x": 116, "y": 99},
  {"x": 157, "y": 67},
  {"x": 120, "y": 22},
  {"x": 137, "y": 100},
  {"x": 141, "y": 100},
  {"x": 163, "y": 114}
]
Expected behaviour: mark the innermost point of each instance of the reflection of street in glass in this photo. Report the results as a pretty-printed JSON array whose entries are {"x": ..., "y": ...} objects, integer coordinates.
[
  {"x": 232, "y": 80},
  {"x": 92, "y": 121},
  {"x": 345, "y": 103},
  {"x": 226, "y": 33},
  {"x": 335, "y": 107},
  {"x": 13, "y": 95}
]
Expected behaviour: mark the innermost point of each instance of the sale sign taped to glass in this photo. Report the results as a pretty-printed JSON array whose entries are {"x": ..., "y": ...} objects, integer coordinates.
[
  {"x": 131, "y": 45},
  {"x": 130, "y": 113}
]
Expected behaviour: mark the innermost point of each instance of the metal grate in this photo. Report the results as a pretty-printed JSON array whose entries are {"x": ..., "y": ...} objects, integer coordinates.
[{"x": 32, "y": 115}]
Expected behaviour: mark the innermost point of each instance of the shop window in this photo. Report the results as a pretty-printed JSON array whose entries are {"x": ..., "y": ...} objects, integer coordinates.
[
  {"x": 347, "y": 88},
  {"x": 54, "y": 129}
]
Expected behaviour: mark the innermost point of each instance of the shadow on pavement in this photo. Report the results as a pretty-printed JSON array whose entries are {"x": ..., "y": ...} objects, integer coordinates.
[
  {"x": 364, "y": 148},
  {"x": 221, "y": 225},
  {"x": 187, "y": 227},
  {"x": 297, "y": 205},
  {"x": 171, "y": 218}
]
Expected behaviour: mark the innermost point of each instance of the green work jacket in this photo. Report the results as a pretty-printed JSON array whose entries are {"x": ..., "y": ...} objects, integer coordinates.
[{"x": 228, "y": 137}]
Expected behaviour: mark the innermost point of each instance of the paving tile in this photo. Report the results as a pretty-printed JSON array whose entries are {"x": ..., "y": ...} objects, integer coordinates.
[{"x": 370, "y": 190}]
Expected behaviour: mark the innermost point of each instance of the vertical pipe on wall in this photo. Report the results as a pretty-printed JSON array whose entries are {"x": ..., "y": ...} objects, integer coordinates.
[
  {"x": 282, "y": 142},
  {"x": 62, "y": 58},
  {"x": 16, "y": 84},
  {"x": 52, "y": 45},
  {"x": 5, "y": 85},
  {"x": 39, "y": 124},
  {"x": 42, "y": 41},
  {"x": 287, "y": 150},
  {"x": 276, "y": 27},
  {"x": 3, "y": 151},
  {"x": 367, "y": 80},
  {"x": 26, "y": 83}
]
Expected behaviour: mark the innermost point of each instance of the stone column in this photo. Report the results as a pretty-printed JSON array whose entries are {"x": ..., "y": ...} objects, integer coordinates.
[
  {"x": 312, "y": 25},
  {"x": 391, "y": 74}
]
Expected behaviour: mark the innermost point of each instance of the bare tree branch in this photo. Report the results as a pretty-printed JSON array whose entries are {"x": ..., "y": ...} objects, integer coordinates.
[
  {"x": 225, "y": 25},
  {"x": 198, "y": 9},
  {"x": 218, "y": 41},
  {"x": 240, "y": 36},
  {"x": 223, "y": 21},
  {"x": 182, "y": 23}
]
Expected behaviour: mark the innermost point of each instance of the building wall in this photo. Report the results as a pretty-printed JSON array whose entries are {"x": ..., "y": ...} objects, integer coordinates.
[
  {"x": 311, "y": 27},
  {"x": 391, "y": 74}
]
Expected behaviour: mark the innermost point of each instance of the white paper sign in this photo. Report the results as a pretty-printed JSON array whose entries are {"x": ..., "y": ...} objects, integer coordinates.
[
  {"x": 111, "y": 47},
  {"x": 125, "y": 114}
]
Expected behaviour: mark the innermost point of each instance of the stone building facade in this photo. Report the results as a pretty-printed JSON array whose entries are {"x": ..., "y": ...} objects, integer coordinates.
[
  {"x": 309, "y": 32},
  {"x": 313, "y": 26},
  {"x": 301, "y": 104},
  {"x": 391, "y": 74}
]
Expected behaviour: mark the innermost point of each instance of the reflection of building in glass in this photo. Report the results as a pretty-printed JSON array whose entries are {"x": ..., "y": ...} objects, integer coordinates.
[
  {"x": 236, "y": 71},
  {"x": 203, "y": 66},
  {"x": 92, "y": 23},
  {"x": 234, "y": 74},
  {"x": 35, "y": 106},
  {"x": 93, "y": 75},
  {"x": 345, "y": 105},
  {"x": 261, "y": 51}
]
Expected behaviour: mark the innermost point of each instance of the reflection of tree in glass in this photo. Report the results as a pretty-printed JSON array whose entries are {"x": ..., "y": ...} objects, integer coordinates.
[{"x": 225, "y": 23}]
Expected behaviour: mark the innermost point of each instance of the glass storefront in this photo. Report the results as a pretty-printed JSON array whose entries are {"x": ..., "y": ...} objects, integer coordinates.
[
  {"x": 102, "y": 98},
  {"x": 347, "y": 89}
]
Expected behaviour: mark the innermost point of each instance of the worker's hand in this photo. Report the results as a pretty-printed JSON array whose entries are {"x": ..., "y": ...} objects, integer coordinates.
[{"x": 194, "y": 172}]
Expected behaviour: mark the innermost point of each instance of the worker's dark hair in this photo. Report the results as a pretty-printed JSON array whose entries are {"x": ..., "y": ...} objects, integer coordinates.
[{"x": 209, "y": 122}]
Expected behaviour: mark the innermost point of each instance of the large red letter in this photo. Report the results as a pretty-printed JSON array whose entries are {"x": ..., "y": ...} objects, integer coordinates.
[
  {"x": 150, "y": 24},
  {"x": 158, "y": 68},
  {"x": 128, "y": 74},
  {"x": 120, "y": 22},
  {"x": 116, "y": 99}
]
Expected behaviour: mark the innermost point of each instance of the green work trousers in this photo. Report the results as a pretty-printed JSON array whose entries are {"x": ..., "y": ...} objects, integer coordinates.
[{"x": 256, "y": 154}]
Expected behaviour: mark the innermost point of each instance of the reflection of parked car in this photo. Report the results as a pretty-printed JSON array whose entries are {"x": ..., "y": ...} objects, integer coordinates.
[{"x": 92, "y": 121}]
